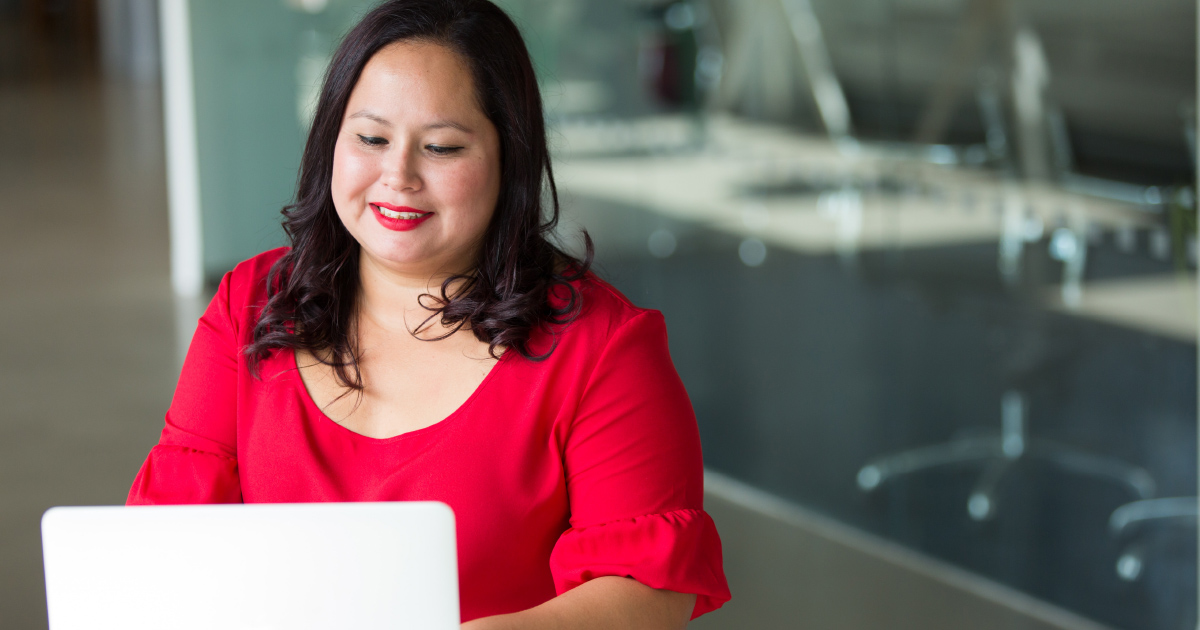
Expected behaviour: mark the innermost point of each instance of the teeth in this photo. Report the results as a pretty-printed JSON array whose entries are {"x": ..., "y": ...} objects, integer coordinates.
[{"x": 392, "y": 214}]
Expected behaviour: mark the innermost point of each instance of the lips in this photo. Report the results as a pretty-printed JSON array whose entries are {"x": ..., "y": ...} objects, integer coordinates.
[{"x": 399, "y": 218}]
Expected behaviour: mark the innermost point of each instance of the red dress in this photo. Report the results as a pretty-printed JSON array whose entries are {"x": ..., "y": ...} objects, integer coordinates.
[{"x": 582, "y": 465}]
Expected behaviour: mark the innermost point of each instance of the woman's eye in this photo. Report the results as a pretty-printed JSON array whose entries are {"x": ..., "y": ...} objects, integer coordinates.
[
  {"x": 371, "y": 141},
  {"x": 438, "y": 149}
]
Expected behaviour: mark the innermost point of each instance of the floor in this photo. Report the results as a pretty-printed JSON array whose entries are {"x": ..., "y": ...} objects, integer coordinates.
[{"x": 87, "y": 340}]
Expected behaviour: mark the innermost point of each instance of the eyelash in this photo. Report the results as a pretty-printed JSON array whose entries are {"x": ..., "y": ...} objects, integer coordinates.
[
  {"x": 371, "y": 141},
  {"x": 376, "y": 141}
]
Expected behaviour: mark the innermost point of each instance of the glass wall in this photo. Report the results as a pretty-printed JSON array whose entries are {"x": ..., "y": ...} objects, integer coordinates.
[{"x": 928, "y": 266}]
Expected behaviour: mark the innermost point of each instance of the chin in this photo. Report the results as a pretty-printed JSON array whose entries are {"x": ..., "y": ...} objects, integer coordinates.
[
  {"x": 405, "y": 259},
  {"x": 397, "y": 256}
]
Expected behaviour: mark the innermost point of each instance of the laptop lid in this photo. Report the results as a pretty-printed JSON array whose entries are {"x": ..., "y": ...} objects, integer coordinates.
[{"x": 252, "y": 567}]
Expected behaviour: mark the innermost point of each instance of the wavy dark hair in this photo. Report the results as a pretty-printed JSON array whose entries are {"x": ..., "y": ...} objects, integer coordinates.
[{"x": 520, "y": 282}]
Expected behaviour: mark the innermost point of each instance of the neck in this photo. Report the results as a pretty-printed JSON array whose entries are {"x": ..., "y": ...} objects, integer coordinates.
[{"x": 392, "y": 299}]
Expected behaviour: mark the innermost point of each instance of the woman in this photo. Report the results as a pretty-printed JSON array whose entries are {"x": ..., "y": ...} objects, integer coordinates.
[{"x": 422, "y": 340}]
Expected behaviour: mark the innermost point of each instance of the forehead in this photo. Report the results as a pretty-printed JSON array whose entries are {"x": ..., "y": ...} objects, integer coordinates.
[{"x": 415, "y": 78}]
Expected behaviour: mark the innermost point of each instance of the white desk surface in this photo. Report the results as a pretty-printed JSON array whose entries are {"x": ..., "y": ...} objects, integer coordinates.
[{"x": 948, "y": 205}]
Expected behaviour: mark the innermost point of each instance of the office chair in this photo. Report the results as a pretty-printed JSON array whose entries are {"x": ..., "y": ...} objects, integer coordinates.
[
  {"x": 997, "y": 453},
  {"x": 1036, "y": 355},
  {"x": 1130, "y": 516}
]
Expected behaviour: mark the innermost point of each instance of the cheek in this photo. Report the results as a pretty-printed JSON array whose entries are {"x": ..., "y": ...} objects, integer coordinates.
[
  {"x": 353, "y": 173},
  {"x": 475, "y": 186}
]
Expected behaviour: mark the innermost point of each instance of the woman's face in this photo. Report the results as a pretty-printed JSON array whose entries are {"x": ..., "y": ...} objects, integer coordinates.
[{"x": 416, "y": 167}]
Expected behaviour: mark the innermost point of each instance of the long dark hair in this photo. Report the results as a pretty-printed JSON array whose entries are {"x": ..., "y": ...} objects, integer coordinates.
[{"x": 521, "y": 281}]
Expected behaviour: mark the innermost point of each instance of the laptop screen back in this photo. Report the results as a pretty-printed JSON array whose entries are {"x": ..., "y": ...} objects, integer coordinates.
[{"x": 252, "y": 567}]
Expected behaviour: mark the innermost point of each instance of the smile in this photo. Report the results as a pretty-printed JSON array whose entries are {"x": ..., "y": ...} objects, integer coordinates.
[
  {"x": 392, "y": 214},
  {"x": 399, "y": 218}
]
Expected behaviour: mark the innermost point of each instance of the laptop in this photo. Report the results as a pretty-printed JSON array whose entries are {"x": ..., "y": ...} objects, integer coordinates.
[{"x": 252, "y": 567}]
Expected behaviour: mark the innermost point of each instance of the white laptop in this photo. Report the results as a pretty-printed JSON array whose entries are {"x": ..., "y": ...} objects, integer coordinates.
[{"x": 252, "y": 567}]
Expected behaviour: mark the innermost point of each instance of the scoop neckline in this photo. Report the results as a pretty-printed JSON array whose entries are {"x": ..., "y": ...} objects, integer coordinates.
[{"x": 322, "y": 418}]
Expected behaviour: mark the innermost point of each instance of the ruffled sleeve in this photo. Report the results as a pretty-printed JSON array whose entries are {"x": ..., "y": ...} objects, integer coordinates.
[
  {"x": 678, "y": 550},
  {"x": 174, "y": 475},
  {"x": 195, "y": 460},
  {"x": 635, "y": 476}
]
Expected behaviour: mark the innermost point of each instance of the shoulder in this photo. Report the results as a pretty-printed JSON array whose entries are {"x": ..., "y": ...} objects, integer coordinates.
[
  {"x": 605, "y": 310},
  {"x": 604, "y": 315},
  {"x": 246, "y": 283},
  {"x": 243, "y": 290},
  {"x": 253, "y": 271}
]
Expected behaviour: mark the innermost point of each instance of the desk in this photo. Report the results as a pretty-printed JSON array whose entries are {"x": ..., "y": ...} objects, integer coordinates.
[{"x": 804, "y": 194}]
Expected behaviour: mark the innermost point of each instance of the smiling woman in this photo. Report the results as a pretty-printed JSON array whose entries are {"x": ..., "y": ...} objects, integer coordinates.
[
  {"x": 415, "y": 182},
  {"x": 421, "y": 339}
]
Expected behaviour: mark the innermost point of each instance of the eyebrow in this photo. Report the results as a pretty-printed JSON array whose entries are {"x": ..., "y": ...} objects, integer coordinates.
[{"x": 438, "y": 124}]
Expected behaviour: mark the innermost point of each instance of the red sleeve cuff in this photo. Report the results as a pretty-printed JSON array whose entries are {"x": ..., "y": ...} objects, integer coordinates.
[
  {"x": 678, "y": 551},
  {"x": 176, "y": 475}
]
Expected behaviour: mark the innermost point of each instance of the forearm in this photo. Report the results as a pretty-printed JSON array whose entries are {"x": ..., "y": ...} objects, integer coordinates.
[{"x": 605, "y": 603}]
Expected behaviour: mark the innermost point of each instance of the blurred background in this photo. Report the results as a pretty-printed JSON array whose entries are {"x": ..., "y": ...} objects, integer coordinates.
[{"x": 928, "y": 268}]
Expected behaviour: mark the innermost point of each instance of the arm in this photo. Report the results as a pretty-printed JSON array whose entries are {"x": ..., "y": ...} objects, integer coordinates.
[
  {"x": 195, "y": 460},
  {"x": 603, "y": 603},
  {"x": 640, "y": 551}
]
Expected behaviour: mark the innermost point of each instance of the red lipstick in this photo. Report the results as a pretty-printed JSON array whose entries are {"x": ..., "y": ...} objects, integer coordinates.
[{"x": 398, "y": 224}]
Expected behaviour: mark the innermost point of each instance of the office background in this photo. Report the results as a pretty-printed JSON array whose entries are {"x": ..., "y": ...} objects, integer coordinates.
[{"x": 928, "y": 269}]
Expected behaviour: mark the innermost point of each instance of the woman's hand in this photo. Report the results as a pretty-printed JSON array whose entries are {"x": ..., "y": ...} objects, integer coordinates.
[{"x": 604, "y": 603}]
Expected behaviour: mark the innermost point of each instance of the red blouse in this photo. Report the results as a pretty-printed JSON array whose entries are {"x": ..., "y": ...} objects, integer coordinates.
[{"x": 582, "y": 465}]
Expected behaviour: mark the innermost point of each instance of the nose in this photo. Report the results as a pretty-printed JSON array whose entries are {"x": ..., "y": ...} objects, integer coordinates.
[{"x": 401, "y": 171}]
